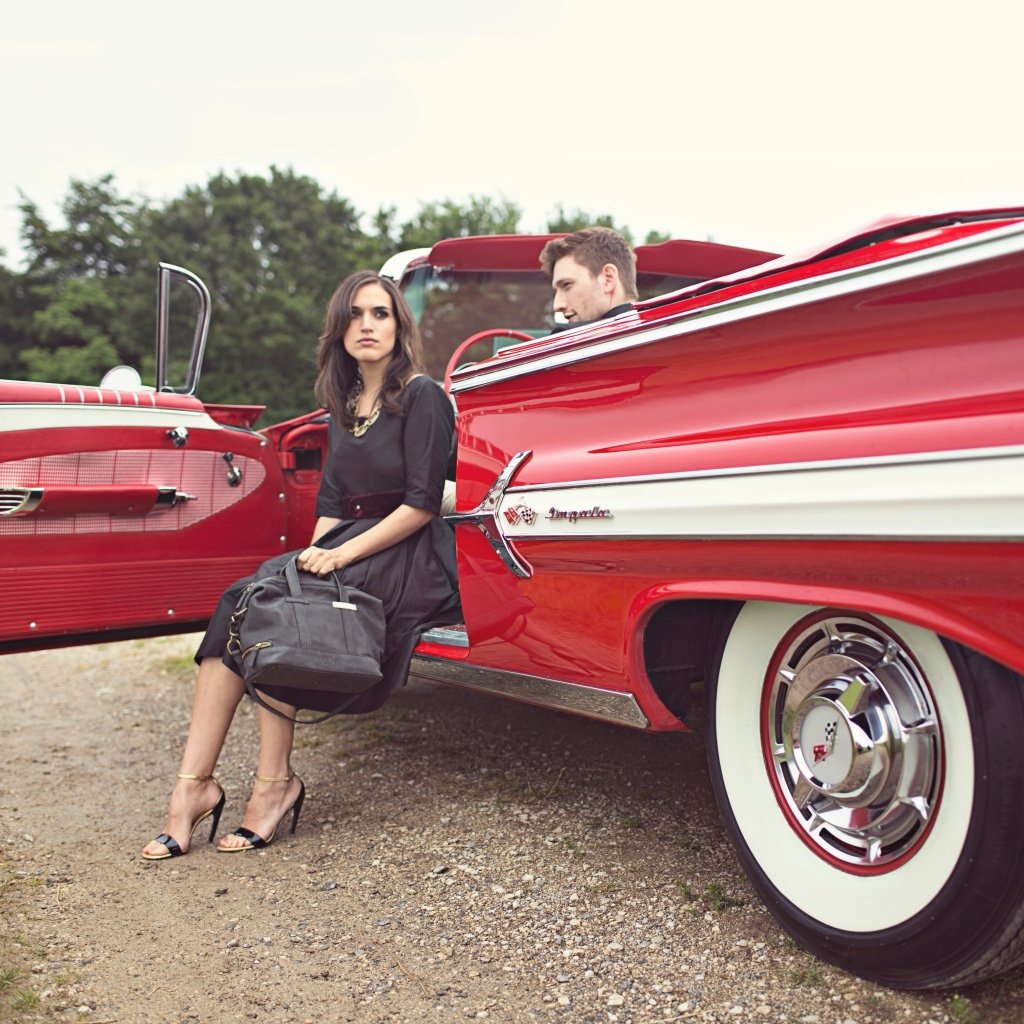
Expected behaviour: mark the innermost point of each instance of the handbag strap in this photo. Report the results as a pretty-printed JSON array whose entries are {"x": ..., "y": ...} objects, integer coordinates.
[{"x": 298, "y": 721}]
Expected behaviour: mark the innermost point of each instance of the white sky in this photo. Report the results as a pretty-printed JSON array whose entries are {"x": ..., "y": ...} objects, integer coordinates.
[{"x": 776, "y": 126}]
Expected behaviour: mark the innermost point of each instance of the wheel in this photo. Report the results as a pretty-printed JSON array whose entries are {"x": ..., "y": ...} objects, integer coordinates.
[{"x": 871, "y": 778}]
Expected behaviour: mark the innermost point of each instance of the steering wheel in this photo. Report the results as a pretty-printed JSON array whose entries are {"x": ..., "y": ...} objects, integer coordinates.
[{"x": 494, "y": 332}]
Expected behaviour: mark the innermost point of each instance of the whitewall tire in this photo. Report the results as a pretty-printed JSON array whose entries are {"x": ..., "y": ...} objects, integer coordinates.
[{"x": 865, "y": 770}]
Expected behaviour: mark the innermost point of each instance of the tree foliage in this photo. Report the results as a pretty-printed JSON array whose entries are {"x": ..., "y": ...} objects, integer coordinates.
[
  {"x": 270, "y": 248},
  {"x": 16, "y": 311},
  {"x": 447, "y": 219},
  {"x": 566, "y": 221},
  {"x": 97, "y": 240}
]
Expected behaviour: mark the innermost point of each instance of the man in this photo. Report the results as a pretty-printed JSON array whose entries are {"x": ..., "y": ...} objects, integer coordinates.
[{"x": 593, "y": 274}]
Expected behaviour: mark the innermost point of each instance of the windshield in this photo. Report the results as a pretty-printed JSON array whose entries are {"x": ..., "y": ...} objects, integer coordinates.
[{"x": 451, "y": 305}]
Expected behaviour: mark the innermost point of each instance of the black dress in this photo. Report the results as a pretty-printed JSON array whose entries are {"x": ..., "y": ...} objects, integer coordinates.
[{"x": 415, "y": 579}]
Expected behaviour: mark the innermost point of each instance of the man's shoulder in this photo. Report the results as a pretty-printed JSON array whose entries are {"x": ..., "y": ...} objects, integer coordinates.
[{"x": 622, "y": 307}]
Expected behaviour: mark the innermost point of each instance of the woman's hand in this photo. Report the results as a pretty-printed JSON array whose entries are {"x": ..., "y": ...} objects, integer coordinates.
[
  {"x": 402, "y": 523},
  {"x": 321, "y": 561}
]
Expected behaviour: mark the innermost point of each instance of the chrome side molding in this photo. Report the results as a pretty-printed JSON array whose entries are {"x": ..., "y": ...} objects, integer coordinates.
[
  {"x": 589, "y": 701},
  {"x": 450, "y": 636},
  {"x": 485, "y": 516}
]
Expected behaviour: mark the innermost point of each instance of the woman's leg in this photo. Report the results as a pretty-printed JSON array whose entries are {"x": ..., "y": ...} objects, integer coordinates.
[
  {"x": 218, "y": 691},
  {"x": 276, "y": 789}
]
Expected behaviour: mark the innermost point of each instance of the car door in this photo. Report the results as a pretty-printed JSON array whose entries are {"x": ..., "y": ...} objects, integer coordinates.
[{"x": 125, "y": 510}]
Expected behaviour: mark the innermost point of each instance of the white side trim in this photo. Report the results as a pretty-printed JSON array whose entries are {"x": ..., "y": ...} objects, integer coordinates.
[
  {"x": 49, "y": 416},
  {"x": 992, "y": 244},
  {"x": 962, "y": 495}
]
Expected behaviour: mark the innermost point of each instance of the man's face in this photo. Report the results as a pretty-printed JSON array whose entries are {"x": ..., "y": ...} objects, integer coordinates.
[{"x": 579, "y": 295}]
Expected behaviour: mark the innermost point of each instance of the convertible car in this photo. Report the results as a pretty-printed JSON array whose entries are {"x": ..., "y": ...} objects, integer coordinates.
[{"x": 798, "y": 481}]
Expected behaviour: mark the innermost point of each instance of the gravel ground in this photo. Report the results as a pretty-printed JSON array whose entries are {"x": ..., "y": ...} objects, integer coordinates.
[{"x": 459, "y": 857}]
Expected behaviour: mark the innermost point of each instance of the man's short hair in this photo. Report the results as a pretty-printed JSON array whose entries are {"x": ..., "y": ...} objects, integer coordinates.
[{"x": 593, "y": 248}]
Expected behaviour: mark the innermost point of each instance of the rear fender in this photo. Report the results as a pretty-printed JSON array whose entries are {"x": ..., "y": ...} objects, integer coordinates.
[{"x": 940, "y": 619}]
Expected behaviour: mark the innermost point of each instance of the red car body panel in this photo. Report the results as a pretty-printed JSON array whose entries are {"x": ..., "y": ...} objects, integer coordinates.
[{"x": 877, "y": 354}]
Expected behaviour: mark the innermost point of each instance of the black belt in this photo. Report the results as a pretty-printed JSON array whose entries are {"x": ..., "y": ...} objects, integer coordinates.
[{"x": 371, "y": 506}]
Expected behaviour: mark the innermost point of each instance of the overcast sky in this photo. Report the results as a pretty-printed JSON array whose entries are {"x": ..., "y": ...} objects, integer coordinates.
[{"x": 773, "y": 125}]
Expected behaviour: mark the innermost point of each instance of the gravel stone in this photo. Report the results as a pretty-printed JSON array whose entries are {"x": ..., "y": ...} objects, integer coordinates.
[{"x": 458, "y": 857}]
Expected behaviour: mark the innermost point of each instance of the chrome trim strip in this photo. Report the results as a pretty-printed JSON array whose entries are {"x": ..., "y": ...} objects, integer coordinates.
[
  {"x": 484, "y": 516},
  {"x": 907, "y": 459},
  {"x": 19, "y": 501},
  {"x": 591, "y": 702},
  {"x": 962, "y": 251},
  {"x": 396, "y": 266}
]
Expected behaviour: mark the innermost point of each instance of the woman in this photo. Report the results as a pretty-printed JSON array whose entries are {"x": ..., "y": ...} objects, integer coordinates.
[{"x": 377, "y": 525}]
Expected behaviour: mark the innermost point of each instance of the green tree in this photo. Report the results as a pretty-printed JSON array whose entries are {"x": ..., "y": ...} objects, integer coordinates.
[
  {"x": 566, "y": 221},
  {"x": 16, "y": 312},
  {"x": 97, "y": 240},
  {"x": 448, "y": 219},
  {"x": 271, "y": 250},
  {"x": 75, "y": 347},
  {"x": 76, "y": 281}
]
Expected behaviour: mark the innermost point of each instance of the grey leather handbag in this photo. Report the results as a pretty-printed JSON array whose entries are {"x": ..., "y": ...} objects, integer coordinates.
[{"x": 294, "y": 630}]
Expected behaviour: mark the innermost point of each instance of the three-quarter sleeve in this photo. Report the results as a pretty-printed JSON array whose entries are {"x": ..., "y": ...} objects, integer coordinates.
[
  {"x": 427, "y": 443},
  {"x": 328, "y": 498}
]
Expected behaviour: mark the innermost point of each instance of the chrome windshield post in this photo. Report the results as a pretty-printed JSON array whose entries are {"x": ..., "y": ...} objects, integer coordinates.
[{"x": 167, "y": 272}]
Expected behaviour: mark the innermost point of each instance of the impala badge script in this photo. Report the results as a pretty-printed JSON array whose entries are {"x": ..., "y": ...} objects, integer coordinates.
[{"x": 575, "y": 514}]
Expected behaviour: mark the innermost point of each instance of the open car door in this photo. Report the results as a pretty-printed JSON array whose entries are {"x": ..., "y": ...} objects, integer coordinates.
[{"x": 125, "y": 510}]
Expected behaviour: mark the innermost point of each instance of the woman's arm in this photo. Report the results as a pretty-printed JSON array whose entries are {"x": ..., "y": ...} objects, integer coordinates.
[
  {"x": 401, "y": 523},
  {"x": 323, "y": 524}
]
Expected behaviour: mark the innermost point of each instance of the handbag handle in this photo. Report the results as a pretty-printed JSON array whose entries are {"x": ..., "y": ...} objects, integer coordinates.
[{"x": 291, "y": 575}]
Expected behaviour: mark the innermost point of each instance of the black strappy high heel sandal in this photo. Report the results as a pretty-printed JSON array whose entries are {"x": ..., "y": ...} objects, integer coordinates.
[
  {"x": 257, "y": 842},
  {"x": 170, "y": 843}
]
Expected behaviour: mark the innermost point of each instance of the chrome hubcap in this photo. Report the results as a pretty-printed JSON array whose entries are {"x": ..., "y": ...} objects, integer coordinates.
[{"x": 854, "y": 741}]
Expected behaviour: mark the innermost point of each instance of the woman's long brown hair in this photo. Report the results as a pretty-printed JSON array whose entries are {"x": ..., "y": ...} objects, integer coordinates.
[{"x": 339, "y": 372}]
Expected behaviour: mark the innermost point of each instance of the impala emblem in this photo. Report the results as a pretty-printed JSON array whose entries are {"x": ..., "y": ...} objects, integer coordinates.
[
  {"x": 822, "y": 750},
  {"x": 520, "y": 513},
  {"x": 575, "y": 514}
]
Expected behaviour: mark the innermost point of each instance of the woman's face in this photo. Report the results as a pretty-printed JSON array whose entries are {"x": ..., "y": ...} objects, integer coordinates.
[{"x": 373, "y": 331}]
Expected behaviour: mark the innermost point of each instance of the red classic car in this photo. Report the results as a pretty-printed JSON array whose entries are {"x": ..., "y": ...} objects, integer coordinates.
[{"x": 798, "y": 480}]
